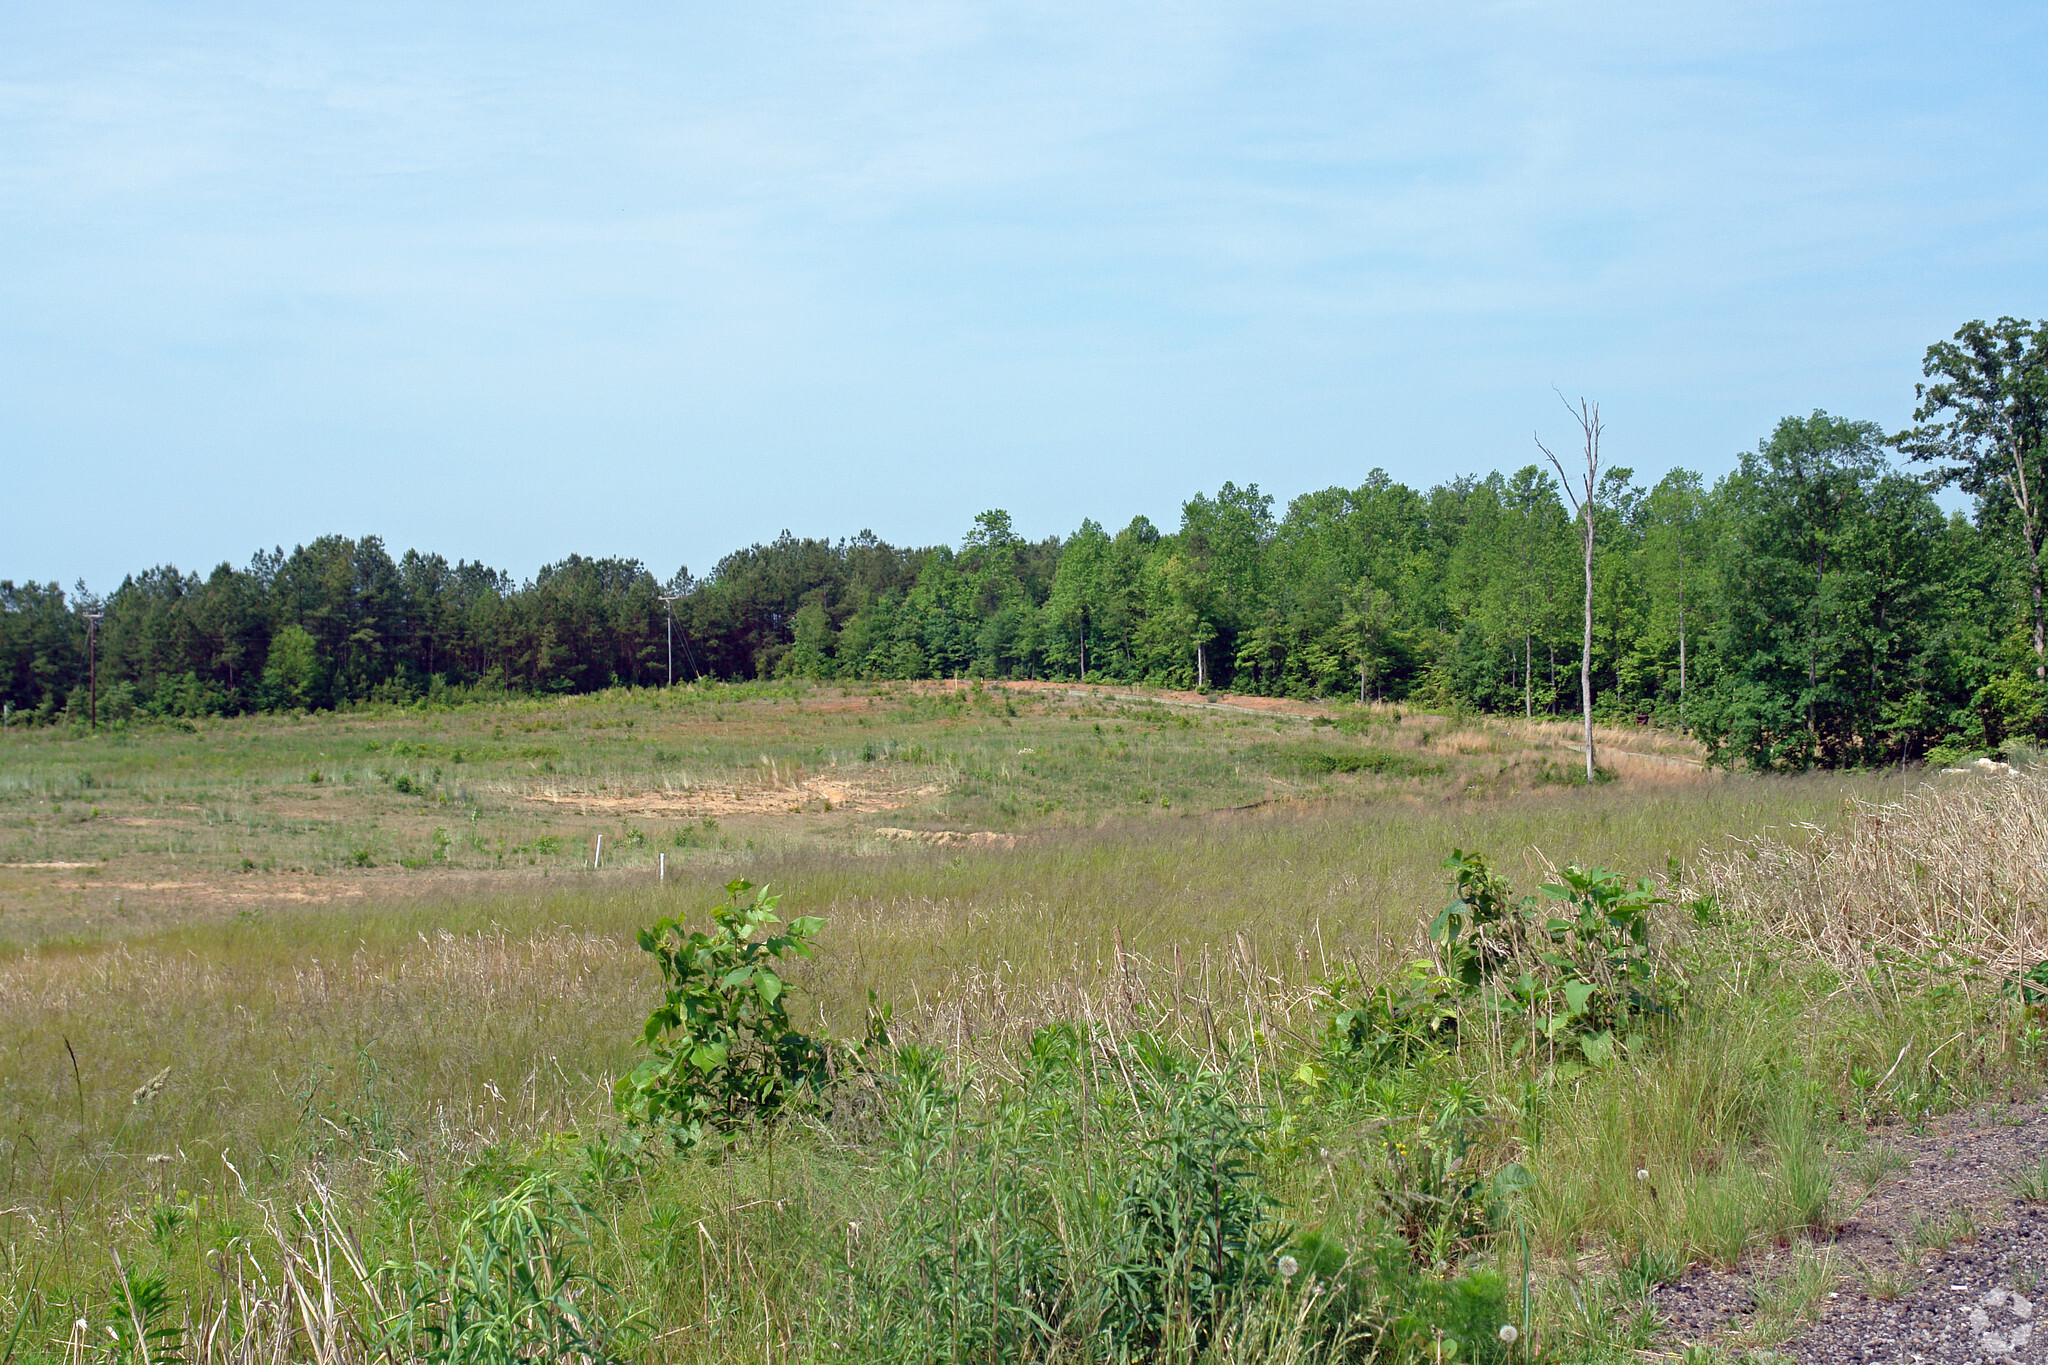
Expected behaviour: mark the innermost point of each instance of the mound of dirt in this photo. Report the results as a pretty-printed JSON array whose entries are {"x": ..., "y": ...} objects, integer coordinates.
[
  {"x": 805, "y": 796},
  {"x": 980, "y": 838}
]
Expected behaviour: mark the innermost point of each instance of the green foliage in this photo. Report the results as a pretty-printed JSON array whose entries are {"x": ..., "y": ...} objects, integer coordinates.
[
  {"x": 141, "y": 1329},
  {"x": 1815, "y": 607},
  {"x": 1374, "y": 1303},
  {"x": 1434, "y": 1199},
  {"x": 1383, "y": 762},
  {"x": 723, "y": 1051},
  {"x": 292, "y": 673},
  {"x": 1192, "y": 1221},
  {"x": 1984, "y": 425},
  {"x": 1110, "y": 1204},
  {"x": 1832, "y": 649},
  {"x": 1478, "y": 932},
  {"x": 1598, "y": 950},
  {"x": 1385, "y": 1025},
  {"x": 1572, "y": 972},
  {"x": 510, "y": 1288}
]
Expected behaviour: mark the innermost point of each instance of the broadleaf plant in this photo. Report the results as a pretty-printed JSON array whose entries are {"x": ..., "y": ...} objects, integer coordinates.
[{"x": 722, "y": 1050}]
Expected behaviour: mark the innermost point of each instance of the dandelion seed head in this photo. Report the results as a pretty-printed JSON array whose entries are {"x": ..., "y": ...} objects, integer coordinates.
[
  {"x": 1508, "y": 1333},
  {"x": 1289, "y": 1267}
]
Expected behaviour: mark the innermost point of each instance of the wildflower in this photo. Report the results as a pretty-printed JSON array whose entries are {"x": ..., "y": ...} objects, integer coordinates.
[
  {"x": 1642, "y": 1174},
  {"x": 1508, "y": 1333},
  {"x": 1289, "y": 1267}
]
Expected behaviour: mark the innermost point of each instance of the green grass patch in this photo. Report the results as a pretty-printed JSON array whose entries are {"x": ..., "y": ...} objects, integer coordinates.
[{"x": 1379, "y": 762}]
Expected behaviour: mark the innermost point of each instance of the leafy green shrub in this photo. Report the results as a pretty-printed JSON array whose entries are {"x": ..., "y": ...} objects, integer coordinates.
[
  {"x": 1384, "y": 762},
  {"x": 722, "y": 1049},
  {"x": 510, "y": 1289},
  {"x": 1601, "y": 984},
  {"x": 1372, "y": 1302},
  {"x": 1110, "y": 1203},
  {"x": 143, "y": 1327},
  {"x": 1571, "y": 972},
  {"x": 1192, "y": 1227},
  {"x": 1384, "y": 1026},
  {"x": 1435, "y": 1201}
]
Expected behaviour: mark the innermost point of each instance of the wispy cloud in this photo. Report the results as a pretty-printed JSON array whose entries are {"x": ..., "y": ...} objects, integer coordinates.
[{"x": 887, "y": 263}]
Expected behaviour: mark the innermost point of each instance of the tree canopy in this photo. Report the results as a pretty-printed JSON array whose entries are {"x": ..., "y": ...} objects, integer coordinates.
[{"x": 1814, "y": 607}]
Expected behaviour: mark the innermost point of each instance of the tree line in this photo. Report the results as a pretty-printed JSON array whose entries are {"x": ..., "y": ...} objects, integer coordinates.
[{"x": 1813, "y": 607}]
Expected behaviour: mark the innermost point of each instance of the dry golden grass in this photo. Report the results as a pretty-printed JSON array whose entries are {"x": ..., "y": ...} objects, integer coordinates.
[
  {"x": 1959, "y": 864},
  {"x": 483, "y": 1009}
]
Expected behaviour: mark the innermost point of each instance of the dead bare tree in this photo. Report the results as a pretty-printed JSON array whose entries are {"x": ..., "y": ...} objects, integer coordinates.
[{"x": 1587, "y": 415}]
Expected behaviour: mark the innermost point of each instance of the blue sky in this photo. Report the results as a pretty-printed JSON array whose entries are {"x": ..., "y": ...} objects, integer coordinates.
[{"x": 514, "y": 281}]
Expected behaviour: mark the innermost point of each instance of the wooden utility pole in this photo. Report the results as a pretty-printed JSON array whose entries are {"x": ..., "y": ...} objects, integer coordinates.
[
  {"x": 92, "y": 661},
  {"x": 1587, "y": 415},
  {"x": 670, "y": 600}
]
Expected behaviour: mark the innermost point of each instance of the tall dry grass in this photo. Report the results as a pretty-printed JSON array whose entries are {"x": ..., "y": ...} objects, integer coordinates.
[
  {"x": 312, "y": 1053},
  {"x": 1959, "y": 864},
  {"x": 485, "y": 1013}
]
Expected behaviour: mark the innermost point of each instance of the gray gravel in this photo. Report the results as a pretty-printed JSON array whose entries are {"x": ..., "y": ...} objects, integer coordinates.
[
  {"x": 1984, "y": 1298},
  {"x": 1977, "y": 1303}
]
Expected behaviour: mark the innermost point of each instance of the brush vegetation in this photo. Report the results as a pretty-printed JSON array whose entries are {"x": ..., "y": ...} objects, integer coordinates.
[{"x": 1425, "y": 1060}]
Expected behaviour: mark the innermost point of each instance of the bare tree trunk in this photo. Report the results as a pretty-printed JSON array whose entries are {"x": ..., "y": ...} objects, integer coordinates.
[
  {"x": 2024, "y": 495},
  {"x": 1820, "y": 576},
  {"x": 1587, "y": 415},
  {"x": 1681, "y": 641},
  {"x": 1528, "y": 683},
  {"x": 2040, "y": 635},
  {"x": 1586, "y": 649}
]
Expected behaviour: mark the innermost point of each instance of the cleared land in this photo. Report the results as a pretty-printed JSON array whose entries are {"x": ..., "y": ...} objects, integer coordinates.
[
  {"x": 235, "y": 986},
  {"x": 142, "y": 827}
]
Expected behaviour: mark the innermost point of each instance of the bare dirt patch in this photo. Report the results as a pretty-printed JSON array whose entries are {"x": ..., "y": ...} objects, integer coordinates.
[
  {"x": 808, "y": 795},
  {"x": 977, "y": 838},
  {"x": 1227, "y": 701},
  {"x": 248, "y": 888}
]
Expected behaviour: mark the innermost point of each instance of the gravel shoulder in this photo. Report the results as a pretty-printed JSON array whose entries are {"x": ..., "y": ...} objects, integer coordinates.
[{"x": 1936, "y": 1259}]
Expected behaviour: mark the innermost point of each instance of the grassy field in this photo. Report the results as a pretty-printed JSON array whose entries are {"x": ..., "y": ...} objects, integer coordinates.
[
  {"x": 133, "y": 828},
  {"x": 249, "y": 1014}
]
